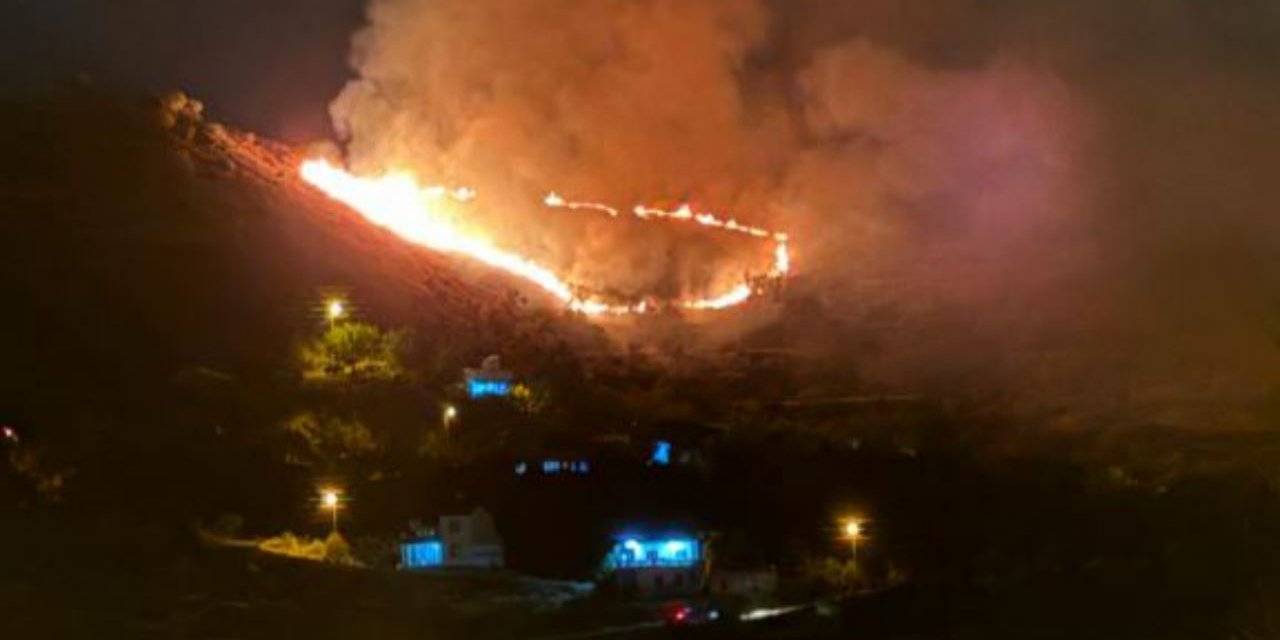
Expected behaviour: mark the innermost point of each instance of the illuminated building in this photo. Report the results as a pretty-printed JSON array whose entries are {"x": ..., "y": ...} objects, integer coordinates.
[
  {"x": 468, "y": 541},
  {"x": 554, "y": 466},
  {"x": 489, "y": 381},
  {"x": 421, "y": 553},
  {"x": 656, "y": 566},
  {"x": 638, "y": 553},
  {"x": 481, "y": 388}
]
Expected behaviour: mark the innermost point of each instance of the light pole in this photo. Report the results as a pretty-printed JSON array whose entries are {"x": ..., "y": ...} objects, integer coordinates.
[
  {"x": 851, "y": 530},
  {"x": 330, "y": 498},
  {"x": 333, "y": 311},
  {"x": 449, "y": 414}
]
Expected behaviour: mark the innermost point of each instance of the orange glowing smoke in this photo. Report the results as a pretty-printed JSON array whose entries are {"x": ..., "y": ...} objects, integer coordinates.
[{"x": 424, "y": 216}]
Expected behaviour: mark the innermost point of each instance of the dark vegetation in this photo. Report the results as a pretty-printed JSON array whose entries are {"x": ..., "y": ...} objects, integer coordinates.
[{"x": 167, "y": 364}]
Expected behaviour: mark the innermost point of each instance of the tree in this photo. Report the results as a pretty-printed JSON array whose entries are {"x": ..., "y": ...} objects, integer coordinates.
[
  {"x": 353, "y": 352},
  {"x": 327, "y": 442},
  {"x": 530, "y": 399}
]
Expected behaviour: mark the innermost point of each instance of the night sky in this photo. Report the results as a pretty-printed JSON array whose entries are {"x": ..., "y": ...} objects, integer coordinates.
[{"x": 270, "y": 66}]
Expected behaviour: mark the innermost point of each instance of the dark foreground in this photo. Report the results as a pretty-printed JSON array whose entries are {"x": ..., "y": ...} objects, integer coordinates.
[{"x": 111, "y": 580}]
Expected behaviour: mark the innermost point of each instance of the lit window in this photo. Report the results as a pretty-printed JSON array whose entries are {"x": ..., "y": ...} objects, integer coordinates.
[
  {"x": 661, "y": 453},
  {"x": 480, "y": 388},
  {"x": 421, "y": 553},
  {"x": 670, "y": 552}
]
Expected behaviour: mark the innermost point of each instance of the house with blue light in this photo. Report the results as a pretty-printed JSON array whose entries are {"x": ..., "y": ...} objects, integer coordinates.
[
  {"x": 468, "y": 541},
  {"x": 422, "y": 552},
  {"x": 655, "y": 566},
  {"x": 553, "y": 467},
  {"x": 488, "y": 381}
]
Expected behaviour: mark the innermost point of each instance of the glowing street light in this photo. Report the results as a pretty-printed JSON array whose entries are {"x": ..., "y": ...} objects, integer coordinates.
[
  {"x": 331, "y": 499},
  {"x": 334, "y": 310},
  {"x": 450, "y": 414},
  {"x": 851, "y": 530}
]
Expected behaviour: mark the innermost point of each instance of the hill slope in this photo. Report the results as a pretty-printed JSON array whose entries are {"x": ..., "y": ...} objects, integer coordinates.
[
  {"x": 137, "y": 239},
  {"x": 158, "y": 273}
]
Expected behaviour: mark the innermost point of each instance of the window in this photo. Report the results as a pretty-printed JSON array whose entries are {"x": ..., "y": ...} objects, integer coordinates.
[
  {"x": 662, "y": 552},
  {"x": 661, "y": 453}
]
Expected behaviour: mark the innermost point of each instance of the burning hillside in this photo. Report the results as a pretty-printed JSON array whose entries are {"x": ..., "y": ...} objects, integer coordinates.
[
  {"x": 424, "y": 216},
  {"x": 976, "y": 212},
  {"x": 968, "y": 215},
  {"x": 148, "y": 230}
]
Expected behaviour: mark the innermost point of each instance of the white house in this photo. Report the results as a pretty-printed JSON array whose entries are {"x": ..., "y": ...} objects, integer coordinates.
[{"x": 471, "y": 541}]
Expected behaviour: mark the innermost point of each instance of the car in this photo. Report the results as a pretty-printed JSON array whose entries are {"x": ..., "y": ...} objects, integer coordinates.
[{"x": 686, "y": 613}]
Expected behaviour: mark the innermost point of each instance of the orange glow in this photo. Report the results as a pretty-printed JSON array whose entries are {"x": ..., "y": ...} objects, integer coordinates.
[
  {"x": 737, "y": 296},
  {"x": 683, "y": 212},
  {"x": 781, "y": 259},
  {"x": 424, "y": 216},
  {"x": 781, "y": 254},
  {"x": 396, "y": 202},
  {"x": 555, "y": 201}
]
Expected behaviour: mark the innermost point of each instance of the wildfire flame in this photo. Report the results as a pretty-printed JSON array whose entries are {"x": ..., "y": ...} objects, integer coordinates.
[
  {"x": 416, "y": 213},
  {"x": 781, "y": 254}
]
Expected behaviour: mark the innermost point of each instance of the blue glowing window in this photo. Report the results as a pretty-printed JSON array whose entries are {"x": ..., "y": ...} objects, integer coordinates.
[
  {"x": 480, "y": 388},
  {"x": 637, "y": 553},
  {"x": 576, "y": 467},
  {"x": 419, "y": 554},
  {"x": 661, "y": 453}
]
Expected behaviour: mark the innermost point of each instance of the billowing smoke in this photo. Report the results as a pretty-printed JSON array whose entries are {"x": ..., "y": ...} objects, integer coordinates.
[
  {"x": 1071, "y": 204},
  {"x": 624, "y": 103}
]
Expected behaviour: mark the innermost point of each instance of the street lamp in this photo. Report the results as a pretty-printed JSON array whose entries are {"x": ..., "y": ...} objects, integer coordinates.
[
  {"x": 449, "y": 414},
  {"x": 331, "y": 499},
  {"x": 334, "y": 310},
  {"x": 851, "y": 530}
]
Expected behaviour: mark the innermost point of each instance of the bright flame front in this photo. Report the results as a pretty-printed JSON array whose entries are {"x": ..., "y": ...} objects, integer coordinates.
[{"x": 398, "y": 203}]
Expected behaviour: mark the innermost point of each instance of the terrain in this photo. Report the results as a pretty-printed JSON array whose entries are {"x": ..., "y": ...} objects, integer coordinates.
[{"x": 160, "y": 274}]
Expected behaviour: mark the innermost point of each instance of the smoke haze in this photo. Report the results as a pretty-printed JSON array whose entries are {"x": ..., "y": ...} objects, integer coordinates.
[{"x": 1071, "y": 204}]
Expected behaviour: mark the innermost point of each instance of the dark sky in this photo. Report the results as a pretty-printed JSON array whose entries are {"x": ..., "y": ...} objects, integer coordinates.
[{"x": 266, "y": 65}]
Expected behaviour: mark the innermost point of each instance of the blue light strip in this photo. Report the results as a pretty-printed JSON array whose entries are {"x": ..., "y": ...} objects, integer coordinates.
[
  {"x": 421, "y": 553},
  {"x": 636, "y": 553},
  {"x": 478, "y": 388}
]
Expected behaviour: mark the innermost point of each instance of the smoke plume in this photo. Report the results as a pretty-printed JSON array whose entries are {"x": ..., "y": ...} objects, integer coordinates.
[{"x": 1069, "y": 203}]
